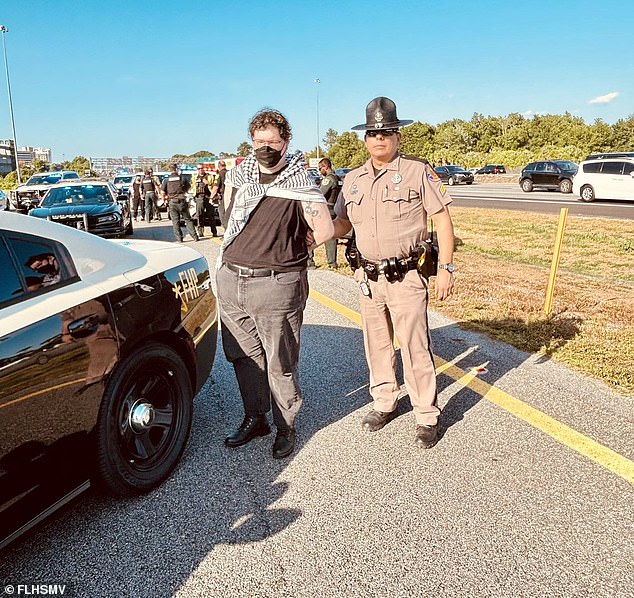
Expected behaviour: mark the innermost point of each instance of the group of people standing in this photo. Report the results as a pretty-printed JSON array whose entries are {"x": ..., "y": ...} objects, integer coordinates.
[
  {"x": 144, "y": 194},
  {"x": 275, "y": 215}
]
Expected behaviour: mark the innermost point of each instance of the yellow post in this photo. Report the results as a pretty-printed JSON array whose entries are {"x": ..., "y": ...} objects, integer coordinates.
[{"x": 563, "y": 215}]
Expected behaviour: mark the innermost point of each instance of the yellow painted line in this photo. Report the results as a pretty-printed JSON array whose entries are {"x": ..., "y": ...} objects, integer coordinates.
[
  {"x": 43, "y": 391},
  {"x": 602, "y": 455}
]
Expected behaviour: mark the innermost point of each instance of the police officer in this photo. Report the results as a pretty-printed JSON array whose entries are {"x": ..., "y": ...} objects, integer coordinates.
[
  {"x": 175, "y": 188},
  {"x": 329, "y": 187},
  {"x": 149, "y": 189},
  {"x": 137, "y": 198},
  {"x": 203, "y": 206},
  {"x": 388, "y": 201},
  {"x": 218, "y": 191}
]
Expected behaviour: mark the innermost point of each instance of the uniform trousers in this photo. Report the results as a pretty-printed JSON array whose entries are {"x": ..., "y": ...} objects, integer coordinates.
[
  {"x": 137, "y": 206},
  {"x": 204, "y": 211},
  {"x": 401, "y": 308},
  {"x": 261, "y": 319},
  {"x": 179, "y": 210},
  {"x": 151, "y": 208}
]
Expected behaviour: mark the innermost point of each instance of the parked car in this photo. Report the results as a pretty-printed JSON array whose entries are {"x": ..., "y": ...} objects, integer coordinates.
[
  {"x": 610, "y": 155},
  {"x": 103, "y": 345},
  {"x": 548, "y": 174},
  {"x": 122, "y": 182},
  {"x": 93, "y": 206},
  {"x": 29, "y": 195},
  {"x": 453, "y": 175},
  {"x": 608, "y": 178},
  {"x": 492, "y": 169}
]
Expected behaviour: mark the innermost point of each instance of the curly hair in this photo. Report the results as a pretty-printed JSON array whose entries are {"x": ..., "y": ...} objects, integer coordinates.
[{"x": 266, "y": 117}]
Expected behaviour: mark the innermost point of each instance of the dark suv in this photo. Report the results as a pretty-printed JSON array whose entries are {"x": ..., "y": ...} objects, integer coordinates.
[
  {"x": 492, "y": 169},
  {"x": 549, "y": 174}
]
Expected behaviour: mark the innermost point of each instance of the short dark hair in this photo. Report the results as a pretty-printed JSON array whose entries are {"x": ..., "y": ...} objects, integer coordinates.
[
  {"x": 174, "y": 167},
  {"x": 325, "y": 162},
  {"x": 38, "y": 258},
  {"x": 274, "y": 118},
  {"x": 221, "y": 163}
]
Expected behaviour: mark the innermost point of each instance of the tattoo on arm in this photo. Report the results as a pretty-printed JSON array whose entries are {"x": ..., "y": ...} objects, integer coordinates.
[{"x": 310, "y": 210}]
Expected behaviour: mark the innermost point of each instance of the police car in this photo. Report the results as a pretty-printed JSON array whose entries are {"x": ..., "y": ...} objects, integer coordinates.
[{"x": 103, "y": 345}]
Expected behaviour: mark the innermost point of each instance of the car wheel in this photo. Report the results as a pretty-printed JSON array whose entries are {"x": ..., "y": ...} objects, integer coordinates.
[
  {"x": 565, "y": 186},
  {"x": 586, "y": 193},
  {"x": 527, "y": 185},
  {"x": 451, "y": 181},
  {"x": 144, "y": 421}
]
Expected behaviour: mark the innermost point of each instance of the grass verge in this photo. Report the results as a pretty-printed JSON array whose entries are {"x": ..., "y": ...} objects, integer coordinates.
[{"x": 503, "y": 264}]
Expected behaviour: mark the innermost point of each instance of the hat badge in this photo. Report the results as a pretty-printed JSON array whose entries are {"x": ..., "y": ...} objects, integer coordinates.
[{"x": 378, "y": 117}]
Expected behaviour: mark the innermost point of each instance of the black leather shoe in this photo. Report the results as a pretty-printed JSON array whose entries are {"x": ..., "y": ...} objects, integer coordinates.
[
  {"x": 375, "y": 420},
  {"x": 251, "y": 427},
  {"x": 426, "y": 436},
  {"x": 284, "y": 443}
]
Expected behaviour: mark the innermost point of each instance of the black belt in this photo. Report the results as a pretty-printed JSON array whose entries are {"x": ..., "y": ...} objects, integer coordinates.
[
  {"x": 392, "y": 268},
  {"x": 249, "y": 272}
]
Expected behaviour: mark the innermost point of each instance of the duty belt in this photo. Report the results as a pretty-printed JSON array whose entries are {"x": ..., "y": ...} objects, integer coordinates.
[{"x": 393, "y": 268}]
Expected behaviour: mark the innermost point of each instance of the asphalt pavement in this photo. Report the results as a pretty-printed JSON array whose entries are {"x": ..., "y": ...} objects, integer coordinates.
[{"x": 528, "y": 493}]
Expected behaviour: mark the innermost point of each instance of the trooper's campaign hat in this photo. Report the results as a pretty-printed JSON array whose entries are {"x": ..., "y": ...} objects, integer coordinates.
[{"x": 380, "y": 113}]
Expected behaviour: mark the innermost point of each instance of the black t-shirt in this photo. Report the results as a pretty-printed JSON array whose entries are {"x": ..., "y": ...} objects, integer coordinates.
[{"x": 274, "y": 237}]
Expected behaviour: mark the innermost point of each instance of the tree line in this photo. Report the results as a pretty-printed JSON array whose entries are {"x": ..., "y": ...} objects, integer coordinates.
[{"x": 513, "y": 140}]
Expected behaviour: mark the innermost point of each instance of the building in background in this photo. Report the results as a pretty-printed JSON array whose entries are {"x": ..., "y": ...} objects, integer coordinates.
[
  {"x": 7, "y": 157},
  {"x": 27, "y": 155},
  {"x": 108, "y": 166}
]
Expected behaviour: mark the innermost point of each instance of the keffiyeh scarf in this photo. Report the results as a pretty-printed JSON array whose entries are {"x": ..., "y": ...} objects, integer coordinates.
[{"x": 292, "y": 183}]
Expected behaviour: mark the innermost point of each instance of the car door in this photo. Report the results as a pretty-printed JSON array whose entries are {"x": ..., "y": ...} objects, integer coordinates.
[
  {"x": 539, "y": 174},
  {"x": 49, "y": 395},
  {"x": 616, "y": 179}
]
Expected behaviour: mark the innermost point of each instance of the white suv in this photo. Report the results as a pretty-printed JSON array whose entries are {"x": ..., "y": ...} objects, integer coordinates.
[{"x": 605, "y": 178}]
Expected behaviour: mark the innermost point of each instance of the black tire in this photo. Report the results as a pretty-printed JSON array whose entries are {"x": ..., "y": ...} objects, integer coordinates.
[
  {"x": 469, "y": 182},
  {"x": 586, "y": 193},
  {"x": 144, "y": 421},
  {"x": 526, "y": 185},
  {"x": 451, "y": 181},
  {"x": 565, "y": 186}
]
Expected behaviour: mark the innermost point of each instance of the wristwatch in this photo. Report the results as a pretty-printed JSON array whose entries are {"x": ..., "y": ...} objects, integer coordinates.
[{"x": 449, "y": 267}]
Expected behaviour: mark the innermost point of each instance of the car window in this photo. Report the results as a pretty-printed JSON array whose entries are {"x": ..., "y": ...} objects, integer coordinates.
[
  {"x": 77, "y": 195},
  {"x": 31, "y": 264},
  {"x": 540, "y": 167},
  {"x": 592, "y": 167},
  {"x": 612, "y": 168},
  {"x": 628, "y": 168},
  {"x": 70, "y": 175},
  {"x": 551, "y": 168},
  {"x": 10, "y": 284}
]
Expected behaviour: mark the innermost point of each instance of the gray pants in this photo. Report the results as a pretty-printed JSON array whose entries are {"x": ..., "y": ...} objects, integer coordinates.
[
  {"x": 180, "y": 211},
  {"x": 151, "y": 209},
  {"x": 261, "y": 318}
]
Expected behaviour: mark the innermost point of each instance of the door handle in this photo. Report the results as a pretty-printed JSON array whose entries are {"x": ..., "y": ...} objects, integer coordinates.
[{"x": 84, "y": 326}]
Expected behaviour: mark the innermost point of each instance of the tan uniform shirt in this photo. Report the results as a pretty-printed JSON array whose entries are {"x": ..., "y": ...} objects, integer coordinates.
[{"x": 389, "y": 213}]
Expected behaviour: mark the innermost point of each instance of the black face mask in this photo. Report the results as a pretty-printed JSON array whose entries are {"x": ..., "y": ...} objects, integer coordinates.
[{"x": 267, "y": 156}]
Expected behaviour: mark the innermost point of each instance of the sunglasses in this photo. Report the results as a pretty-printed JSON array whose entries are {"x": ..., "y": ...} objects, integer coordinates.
[{"x": 382, "y": 132}]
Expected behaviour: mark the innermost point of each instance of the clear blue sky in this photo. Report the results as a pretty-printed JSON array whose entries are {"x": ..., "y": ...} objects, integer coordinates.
[{"x": 155, "y": 78}]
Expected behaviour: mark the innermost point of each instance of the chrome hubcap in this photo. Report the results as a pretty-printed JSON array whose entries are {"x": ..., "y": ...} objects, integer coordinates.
[{"x": 141, "y": 417}]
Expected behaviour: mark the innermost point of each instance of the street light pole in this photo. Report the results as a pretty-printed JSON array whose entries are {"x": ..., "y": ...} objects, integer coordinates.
[
  {"x": 4, "y": 31},
  {"x": 317, "y": 81}
]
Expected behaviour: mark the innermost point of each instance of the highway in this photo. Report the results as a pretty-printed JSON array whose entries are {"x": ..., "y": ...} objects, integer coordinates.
[
  {"x": 507, "y": 196},
  {"x": 529, "y": 492}
]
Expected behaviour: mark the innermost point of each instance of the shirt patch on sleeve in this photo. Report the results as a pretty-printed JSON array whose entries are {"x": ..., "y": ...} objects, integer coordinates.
[{"x": 443, "y": 189}]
